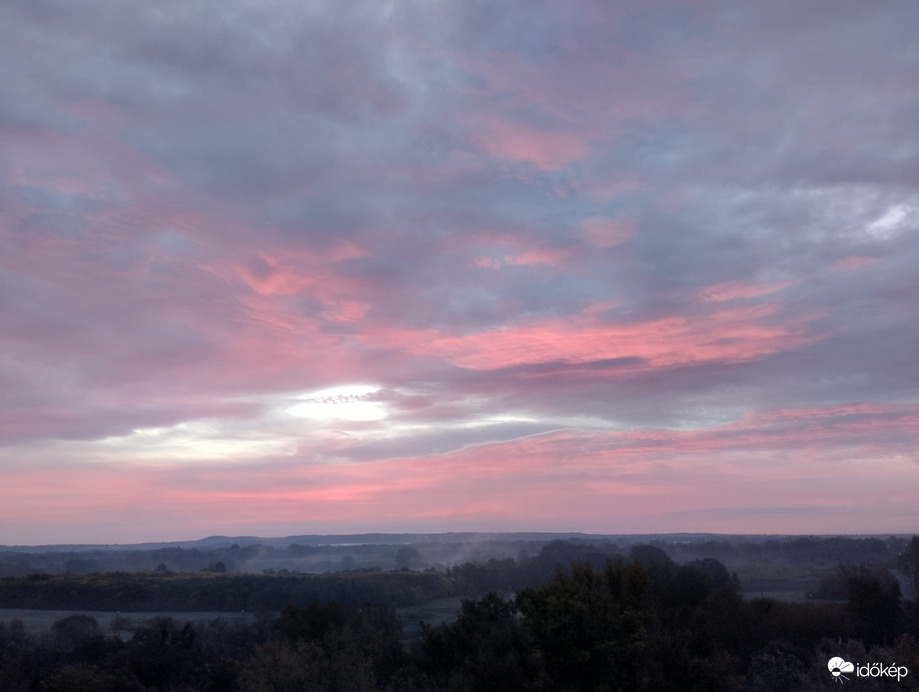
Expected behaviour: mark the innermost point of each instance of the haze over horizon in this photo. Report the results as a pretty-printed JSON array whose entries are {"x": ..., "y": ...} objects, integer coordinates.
[{"x": 278, "y": 268}]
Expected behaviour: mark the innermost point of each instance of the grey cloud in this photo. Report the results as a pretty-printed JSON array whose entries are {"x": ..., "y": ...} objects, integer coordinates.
[{"x": 749, "y": 144}]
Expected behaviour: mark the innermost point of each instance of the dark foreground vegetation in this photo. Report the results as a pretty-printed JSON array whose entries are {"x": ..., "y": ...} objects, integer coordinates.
[{"x": 581, "y": 617}]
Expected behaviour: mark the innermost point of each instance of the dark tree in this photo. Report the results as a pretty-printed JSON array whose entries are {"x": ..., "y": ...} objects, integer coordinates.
[
  {"x": 874, "y": 603},
  {"x": 593, "y": 628},
  {"x": 484, "y": 649}
]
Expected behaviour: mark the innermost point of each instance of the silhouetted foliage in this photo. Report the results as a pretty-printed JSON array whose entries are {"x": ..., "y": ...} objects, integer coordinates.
[
  {"x": 484, "y": 649},
  {"x": 207, "y": 591},
  {"x": 909, "y": 561},
  {"x": 598, "y": 623},
  {"x": 593, "y": 627},
  {"x": 873, "y": 603}
]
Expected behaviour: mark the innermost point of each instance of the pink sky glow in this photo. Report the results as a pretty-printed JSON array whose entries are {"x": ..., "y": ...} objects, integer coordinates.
[{"x": 285, "y": 268}]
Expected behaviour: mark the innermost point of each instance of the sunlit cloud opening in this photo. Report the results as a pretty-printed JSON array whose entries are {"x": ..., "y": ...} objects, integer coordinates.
[
  {"x": 189, "y": 441},
  {"x": 347, "y": 402},
  {"x": 892, "y": 221}
]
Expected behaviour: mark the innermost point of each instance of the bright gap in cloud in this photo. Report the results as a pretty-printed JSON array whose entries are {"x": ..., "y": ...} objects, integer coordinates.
[
  {"x": 891, "y": 222},
  {"x": 825, "y": 212},
  {"x": 347, "y": 402},
  {"x": 189, "y": 441}
]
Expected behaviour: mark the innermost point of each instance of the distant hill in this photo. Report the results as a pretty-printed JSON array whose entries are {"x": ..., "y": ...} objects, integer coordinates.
[{"x": 356, "y": 539}]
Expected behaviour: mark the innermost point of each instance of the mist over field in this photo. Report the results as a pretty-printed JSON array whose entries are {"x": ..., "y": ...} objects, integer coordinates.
[
  {"x": 461, "y": 611},
  {"x": 793, "y": 567}
]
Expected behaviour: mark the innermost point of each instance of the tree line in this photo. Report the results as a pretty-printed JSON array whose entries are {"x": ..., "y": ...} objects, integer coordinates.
[{"x": 617, "y": 622}]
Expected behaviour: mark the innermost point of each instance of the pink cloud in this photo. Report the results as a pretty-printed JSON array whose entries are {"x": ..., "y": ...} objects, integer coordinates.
[
  {"x": 548, "y": 256},
  {"x": 486, "y": 263},
  {"x": 727, "y": 335},
  {"x": 656, "y": 480},
  {"x": 730, "y": 290},
  {"x": 854, "y": 262},
  {"x": 552, "y": 257},
  {"x": 546, "y": 151},
  {"x": 606, "y": 232},
  {"x": 269, "y": 275},
  {"x": 221, "y": 233}
]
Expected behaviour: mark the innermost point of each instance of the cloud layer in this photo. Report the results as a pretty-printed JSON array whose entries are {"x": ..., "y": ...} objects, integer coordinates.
[{"x": 281, "y": 267}]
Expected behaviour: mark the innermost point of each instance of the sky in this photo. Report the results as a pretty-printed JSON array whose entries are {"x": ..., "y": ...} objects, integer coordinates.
[{"x": 275, "y": 267}]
